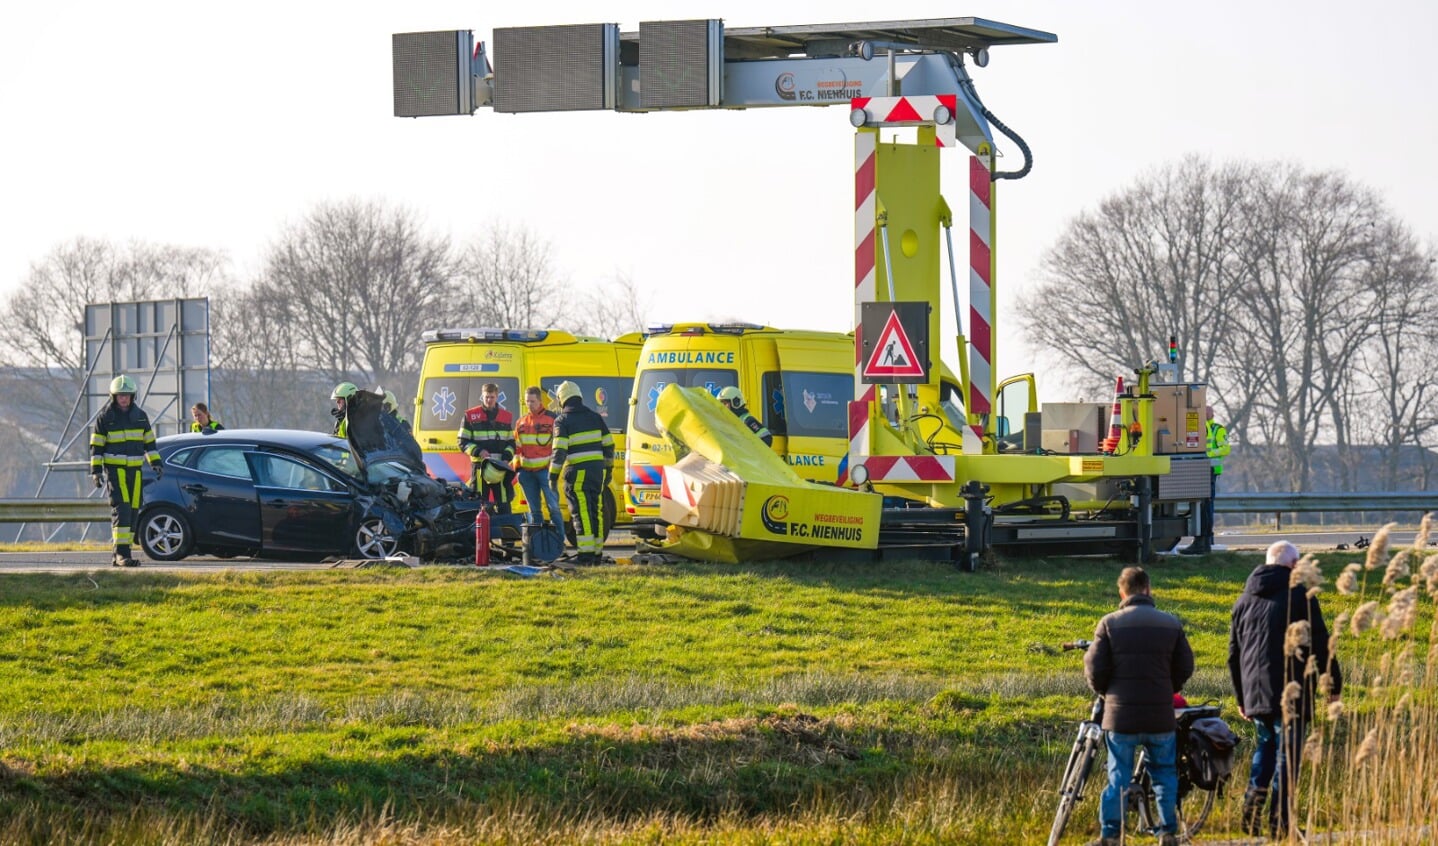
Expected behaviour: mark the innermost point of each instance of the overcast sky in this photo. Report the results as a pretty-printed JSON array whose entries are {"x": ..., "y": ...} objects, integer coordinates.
[{"x": 215, "y": 125}]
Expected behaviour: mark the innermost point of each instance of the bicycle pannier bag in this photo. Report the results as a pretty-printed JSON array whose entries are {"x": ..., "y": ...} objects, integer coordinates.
[{"x": 1212, "y": 749}]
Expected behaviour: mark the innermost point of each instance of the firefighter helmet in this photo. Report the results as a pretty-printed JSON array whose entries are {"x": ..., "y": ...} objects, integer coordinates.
[
  {"x": 493, "y": 471},
  {"x": 391, "y": 402},
  {"x": 731, "y": 397},
  {"x": 344, "y": 391},
  {"x": 122, "y": 385},
  {"x": 566, "y": 391}
]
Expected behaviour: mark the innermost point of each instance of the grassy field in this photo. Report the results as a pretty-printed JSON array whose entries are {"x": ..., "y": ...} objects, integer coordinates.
[{"x": 765, "y": 703}]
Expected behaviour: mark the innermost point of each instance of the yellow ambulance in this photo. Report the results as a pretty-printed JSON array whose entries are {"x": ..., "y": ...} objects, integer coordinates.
[
  {"x": 458, "y": 362},
  {"x": 798, "y": 383}
]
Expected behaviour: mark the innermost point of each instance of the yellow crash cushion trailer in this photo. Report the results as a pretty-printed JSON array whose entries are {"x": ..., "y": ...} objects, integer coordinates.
[
  {"x": 458, "y": 362},
  {"x": 798, "y": 383}
]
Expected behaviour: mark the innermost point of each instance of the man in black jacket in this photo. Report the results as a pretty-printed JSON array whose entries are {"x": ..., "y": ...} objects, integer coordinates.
[
  {"x": 1139, "y": 659},
  {"x": 1276, "y": 628}
]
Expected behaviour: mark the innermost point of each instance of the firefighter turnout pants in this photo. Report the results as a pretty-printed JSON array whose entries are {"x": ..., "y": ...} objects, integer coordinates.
[
  {"x": 125, "y": 484},
  {"x": 584, "y": 488}
]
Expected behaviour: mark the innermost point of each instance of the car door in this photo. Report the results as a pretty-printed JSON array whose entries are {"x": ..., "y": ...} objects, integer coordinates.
[
  {"x": 219, "y": 497},
  {"x": 302, "y": 509}
]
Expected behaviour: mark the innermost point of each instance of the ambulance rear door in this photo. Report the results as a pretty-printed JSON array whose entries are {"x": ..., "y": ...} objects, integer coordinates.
[{"x": 806, "y": 403}]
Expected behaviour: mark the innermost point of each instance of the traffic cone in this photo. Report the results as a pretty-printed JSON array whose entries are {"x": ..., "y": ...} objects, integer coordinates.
[{"x": 1115, "y": 422}]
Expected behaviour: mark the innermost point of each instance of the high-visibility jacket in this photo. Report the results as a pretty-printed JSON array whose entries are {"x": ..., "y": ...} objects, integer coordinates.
[
  {"x": 122, "y": 439},
  {"x": 580, "y": 437},
  {"x": 754, "y": 425},
  {"x": 487, "y": 431},
  {"x": 1217, "y": 445},
  {"x": 208, "y": 428},
  {"x": 534, "y": 439}
]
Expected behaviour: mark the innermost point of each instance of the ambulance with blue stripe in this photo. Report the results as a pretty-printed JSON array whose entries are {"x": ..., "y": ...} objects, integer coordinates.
[
  {"x": 798, "y": 383},
  {"x": 459, "y": 362}
]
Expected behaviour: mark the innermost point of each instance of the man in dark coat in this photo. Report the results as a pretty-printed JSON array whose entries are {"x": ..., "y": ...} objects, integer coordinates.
[
  {"x": 1276, "y": 628},
  {"x": 1139, "y": 659},
  {"x": 584, "y": 454}
]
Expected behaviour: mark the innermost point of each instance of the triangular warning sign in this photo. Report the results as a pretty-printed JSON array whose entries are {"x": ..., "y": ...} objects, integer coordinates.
[{"x": 893, "y": 355}]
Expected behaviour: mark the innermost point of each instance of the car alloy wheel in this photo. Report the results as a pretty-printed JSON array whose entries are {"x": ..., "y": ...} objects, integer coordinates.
[{"x": 374, "y": 541}]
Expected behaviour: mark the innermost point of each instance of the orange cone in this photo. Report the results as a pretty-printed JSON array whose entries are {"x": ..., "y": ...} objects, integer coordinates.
[{"x": 1115, "y": 422}]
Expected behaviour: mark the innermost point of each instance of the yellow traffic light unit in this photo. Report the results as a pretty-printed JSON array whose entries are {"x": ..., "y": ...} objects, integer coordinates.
[{"x": 965, "y": 463}]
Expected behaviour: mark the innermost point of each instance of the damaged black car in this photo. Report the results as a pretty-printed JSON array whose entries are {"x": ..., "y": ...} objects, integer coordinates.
[{"x": 282, "y": 493}]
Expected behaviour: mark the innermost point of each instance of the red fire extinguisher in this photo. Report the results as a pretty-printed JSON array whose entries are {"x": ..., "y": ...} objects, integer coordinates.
[{"x": 481, "y": 538}]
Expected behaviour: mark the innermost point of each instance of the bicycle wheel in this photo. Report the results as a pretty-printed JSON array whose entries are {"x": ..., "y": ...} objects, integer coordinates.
[
  {"x": 1193, "y": 807},
  {"x": 1071, "y": 786}
]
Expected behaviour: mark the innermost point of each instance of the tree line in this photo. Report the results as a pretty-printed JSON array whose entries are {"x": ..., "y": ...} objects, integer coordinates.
[
  {"x": 343, "y": 294},
  {"x": 1296, "y": 295}
]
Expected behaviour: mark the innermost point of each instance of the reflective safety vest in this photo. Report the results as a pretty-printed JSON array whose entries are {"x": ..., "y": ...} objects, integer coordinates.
[
  {"x": 484, "y": 431},
  {"x": 534, "y": 437},
  {"x": 1217, "y": 445},
  {"x": 208, "y": 428}
]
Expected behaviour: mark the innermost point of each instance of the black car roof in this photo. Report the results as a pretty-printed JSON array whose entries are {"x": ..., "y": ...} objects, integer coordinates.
[{"x": 298, "y": 439}]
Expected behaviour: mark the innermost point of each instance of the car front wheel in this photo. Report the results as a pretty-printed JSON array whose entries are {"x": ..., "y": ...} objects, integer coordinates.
[
  {"x": 165, "y": 535},
  {"x": 373, "y": 540}
]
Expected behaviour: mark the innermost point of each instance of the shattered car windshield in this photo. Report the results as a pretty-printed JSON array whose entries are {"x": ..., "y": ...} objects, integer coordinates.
[{"x": 338, "y": 458}]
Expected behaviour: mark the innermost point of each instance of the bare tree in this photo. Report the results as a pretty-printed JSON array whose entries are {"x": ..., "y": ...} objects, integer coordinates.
[
  {"x": 611, "y": 309},
  {"x": 357, "y": 283},
  {"x": 1392, "y": 401},
  {"x": 507, "y": 279},
  {"x": 42, "y": 322},
  {"x": 257, "y": 377},
  {"x": 1150, "y": 262},
  {"x": 1309, "y": 301}
]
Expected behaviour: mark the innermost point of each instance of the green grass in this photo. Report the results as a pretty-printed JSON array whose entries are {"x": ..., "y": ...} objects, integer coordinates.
[{"x": 692, "y": 703}]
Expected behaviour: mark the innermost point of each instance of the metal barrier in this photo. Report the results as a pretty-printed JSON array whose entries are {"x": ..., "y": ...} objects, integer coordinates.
[
  {"x": 98, "y": 510},
  {"x": 54, "y": 511}
]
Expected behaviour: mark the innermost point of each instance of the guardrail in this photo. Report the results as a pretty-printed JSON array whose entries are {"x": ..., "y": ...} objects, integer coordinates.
[
  {"x": 1277, "y": 503},
  {"x": 98, "y": 510},
  {"x": 54, "y": 511}
]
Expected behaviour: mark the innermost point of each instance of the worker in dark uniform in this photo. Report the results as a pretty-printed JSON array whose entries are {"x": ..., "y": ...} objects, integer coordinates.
[
  {"x": 732, "y": 398},
  {"x": 341, "y": 395},
  {"x": 1218, "y": 449},
  {"x": 487, "y": 437},
  {"x": 584, "y": 453},
  {"x": 120, "y": 445}
]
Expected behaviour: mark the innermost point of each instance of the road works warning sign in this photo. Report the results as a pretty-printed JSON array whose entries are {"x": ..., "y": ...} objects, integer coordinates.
[{"x": 894, "y": 342}]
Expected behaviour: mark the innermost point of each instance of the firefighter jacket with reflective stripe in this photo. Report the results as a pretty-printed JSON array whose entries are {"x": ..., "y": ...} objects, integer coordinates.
[
  {"x": 754, "y": 426},
  {"x": 122, "y": 439},
  {"x": 1217, "y": 445},
  {"x": 534, "y": 437},
  {"x": 487, "y": 431},
  {"x": 580, "y": 437}
]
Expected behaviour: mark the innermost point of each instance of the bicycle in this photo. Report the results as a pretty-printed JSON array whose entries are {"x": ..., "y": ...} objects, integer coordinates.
[{"x": 1141, "y": 801}]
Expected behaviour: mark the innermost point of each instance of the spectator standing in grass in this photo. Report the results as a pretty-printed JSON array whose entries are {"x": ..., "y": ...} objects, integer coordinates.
[
  {"x": 1139, "y": 659},
  {"x": 1278, "y": 658}
]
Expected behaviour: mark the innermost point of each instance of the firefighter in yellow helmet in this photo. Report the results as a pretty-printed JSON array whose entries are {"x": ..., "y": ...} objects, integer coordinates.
[
  {"x": 391, "y": 407},
  {"x": 734, "y": 401},
  {"x": 341, "y": 395},
  {"x": 584, "y": 453},
  {"x": 120, "y": 444}
]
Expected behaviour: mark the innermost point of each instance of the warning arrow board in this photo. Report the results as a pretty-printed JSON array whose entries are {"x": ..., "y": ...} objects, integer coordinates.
[{"x": 899, "y": 351}]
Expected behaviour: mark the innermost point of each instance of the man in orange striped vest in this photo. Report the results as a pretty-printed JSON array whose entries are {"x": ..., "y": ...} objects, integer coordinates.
[{"x": 534, "y": 444}]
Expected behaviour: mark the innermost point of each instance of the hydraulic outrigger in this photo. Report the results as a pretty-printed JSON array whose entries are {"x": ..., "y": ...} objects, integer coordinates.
[{"x": 948, "y": 452}]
